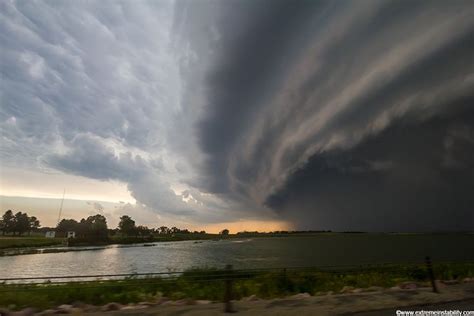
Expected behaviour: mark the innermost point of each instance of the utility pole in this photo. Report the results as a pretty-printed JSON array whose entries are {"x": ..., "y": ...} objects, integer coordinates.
[{"x": 61, "y": 207}]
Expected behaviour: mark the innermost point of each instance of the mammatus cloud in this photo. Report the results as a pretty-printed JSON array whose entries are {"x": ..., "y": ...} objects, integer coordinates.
[{"x": 354, "y": 115}]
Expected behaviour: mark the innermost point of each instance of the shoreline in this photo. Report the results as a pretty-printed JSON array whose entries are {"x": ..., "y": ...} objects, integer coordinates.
[
  {"x": 8, "y": 252},
  {"x": 14, "y": 245},
  {"x": 44, "y": 245}
]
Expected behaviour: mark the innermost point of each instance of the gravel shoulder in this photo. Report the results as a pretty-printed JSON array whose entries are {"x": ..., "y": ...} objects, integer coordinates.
[{"x": 384, "y": 302}]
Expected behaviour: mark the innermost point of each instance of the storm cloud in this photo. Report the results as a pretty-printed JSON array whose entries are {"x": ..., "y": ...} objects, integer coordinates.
[
  {"x": 343, "y": 115},
  {"x": 352, "y": 115}
]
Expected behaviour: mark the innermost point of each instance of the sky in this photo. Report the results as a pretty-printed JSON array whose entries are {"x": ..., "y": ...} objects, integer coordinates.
[{"x": 248, "y": 115}]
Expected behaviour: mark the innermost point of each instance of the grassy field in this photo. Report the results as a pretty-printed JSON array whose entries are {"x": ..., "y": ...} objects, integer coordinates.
[
  {"x": 21, "y": 242},
  {"x": 36, "y": 241},
  {"x": 29, "y": 245},
  {"x": 209, "y": 284}
]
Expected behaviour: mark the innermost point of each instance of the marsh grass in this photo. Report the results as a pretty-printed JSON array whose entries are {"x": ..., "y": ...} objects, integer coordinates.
[{"x": 208, "y": 284}]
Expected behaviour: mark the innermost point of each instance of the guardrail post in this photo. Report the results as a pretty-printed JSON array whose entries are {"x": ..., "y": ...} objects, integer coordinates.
[
  {"x": 228, "y": 308},
  {"x": 429, "y": 268}
]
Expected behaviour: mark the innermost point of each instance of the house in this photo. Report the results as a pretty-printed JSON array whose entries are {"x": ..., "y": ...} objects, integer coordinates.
[
  {"x": 50, "y": 234},
  {"x": 71, "y": 234}
]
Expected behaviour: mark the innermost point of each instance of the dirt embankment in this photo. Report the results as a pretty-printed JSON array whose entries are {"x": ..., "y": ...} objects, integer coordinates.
[{"x": 376, "y": 302}]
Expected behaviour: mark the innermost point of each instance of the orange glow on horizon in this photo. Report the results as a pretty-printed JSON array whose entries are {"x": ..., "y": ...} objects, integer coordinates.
[{"x": 247, "y": 225}]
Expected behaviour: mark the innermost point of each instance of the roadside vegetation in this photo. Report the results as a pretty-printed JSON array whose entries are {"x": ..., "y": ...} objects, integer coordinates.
[{"x": 208, "y": 284}]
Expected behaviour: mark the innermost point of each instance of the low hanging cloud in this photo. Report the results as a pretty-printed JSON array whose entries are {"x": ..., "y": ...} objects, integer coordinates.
[
  {"x": 341, "y": 115},
  {"x": 396, "y": 180},
  {"x": 330, "y": 115},
  {"x": 147, "y": 180}
]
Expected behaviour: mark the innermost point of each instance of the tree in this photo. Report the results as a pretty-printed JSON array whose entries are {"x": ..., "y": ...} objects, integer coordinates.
[
  {"x": 127, "y": 225},
  {"x": 164, "y": 230},
  {"x": 142, "y": 231},
  {"x": 34, "y": 223},
  {"x": 94, "y": 227},
  {"x": 174, "y": 230},
  {"x": 66, "y": 225},
  {"x": 21, "y": 223},
  {"x": 7, "y": 222},
  {"x": 83, "y": 228},
  {"x": 18, "y": 223},
  {"x": 224, "y": 232},
  {"x": 97, "y": 226}
]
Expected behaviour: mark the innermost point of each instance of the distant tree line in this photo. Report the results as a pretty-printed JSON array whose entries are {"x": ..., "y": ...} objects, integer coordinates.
[
  {"x": 93, "y": 227},
  {"x": 18, "y": 223},
  {"x": 281, "y": 232},
  {"x": 127, "y": 227}
]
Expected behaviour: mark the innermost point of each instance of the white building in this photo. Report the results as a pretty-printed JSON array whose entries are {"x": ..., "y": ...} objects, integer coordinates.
[{"x": 50, "y": 234}]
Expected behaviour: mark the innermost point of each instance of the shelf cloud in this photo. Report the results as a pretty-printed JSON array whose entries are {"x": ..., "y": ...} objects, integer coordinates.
[{"x": 328, "y": 115}]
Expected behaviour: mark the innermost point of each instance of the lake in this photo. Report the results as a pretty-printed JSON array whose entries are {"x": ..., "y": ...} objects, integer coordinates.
[{"x": 272, "y": 252}]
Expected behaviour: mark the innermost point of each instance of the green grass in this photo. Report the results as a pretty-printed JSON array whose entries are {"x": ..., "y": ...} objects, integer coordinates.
[
  {"x": 26, "y": 241},
  {"x": 32, "y": 242},
  {"x": 209, "y": 284}
]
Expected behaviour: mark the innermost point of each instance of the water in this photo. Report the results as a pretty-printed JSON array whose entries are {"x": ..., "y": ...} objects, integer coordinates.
[{"x": 319, "y": 250}]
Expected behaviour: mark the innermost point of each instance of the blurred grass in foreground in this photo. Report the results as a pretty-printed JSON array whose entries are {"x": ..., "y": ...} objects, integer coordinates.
[{"x": 208, "y": 284}]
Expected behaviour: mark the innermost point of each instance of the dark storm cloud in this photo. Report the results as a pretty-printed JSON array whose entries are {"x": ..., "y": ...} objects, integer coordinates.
[
  {"x": 258, "y": 39},
  {"x": 410, "y": 176},
  {"x": 344, "y": 115}
]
